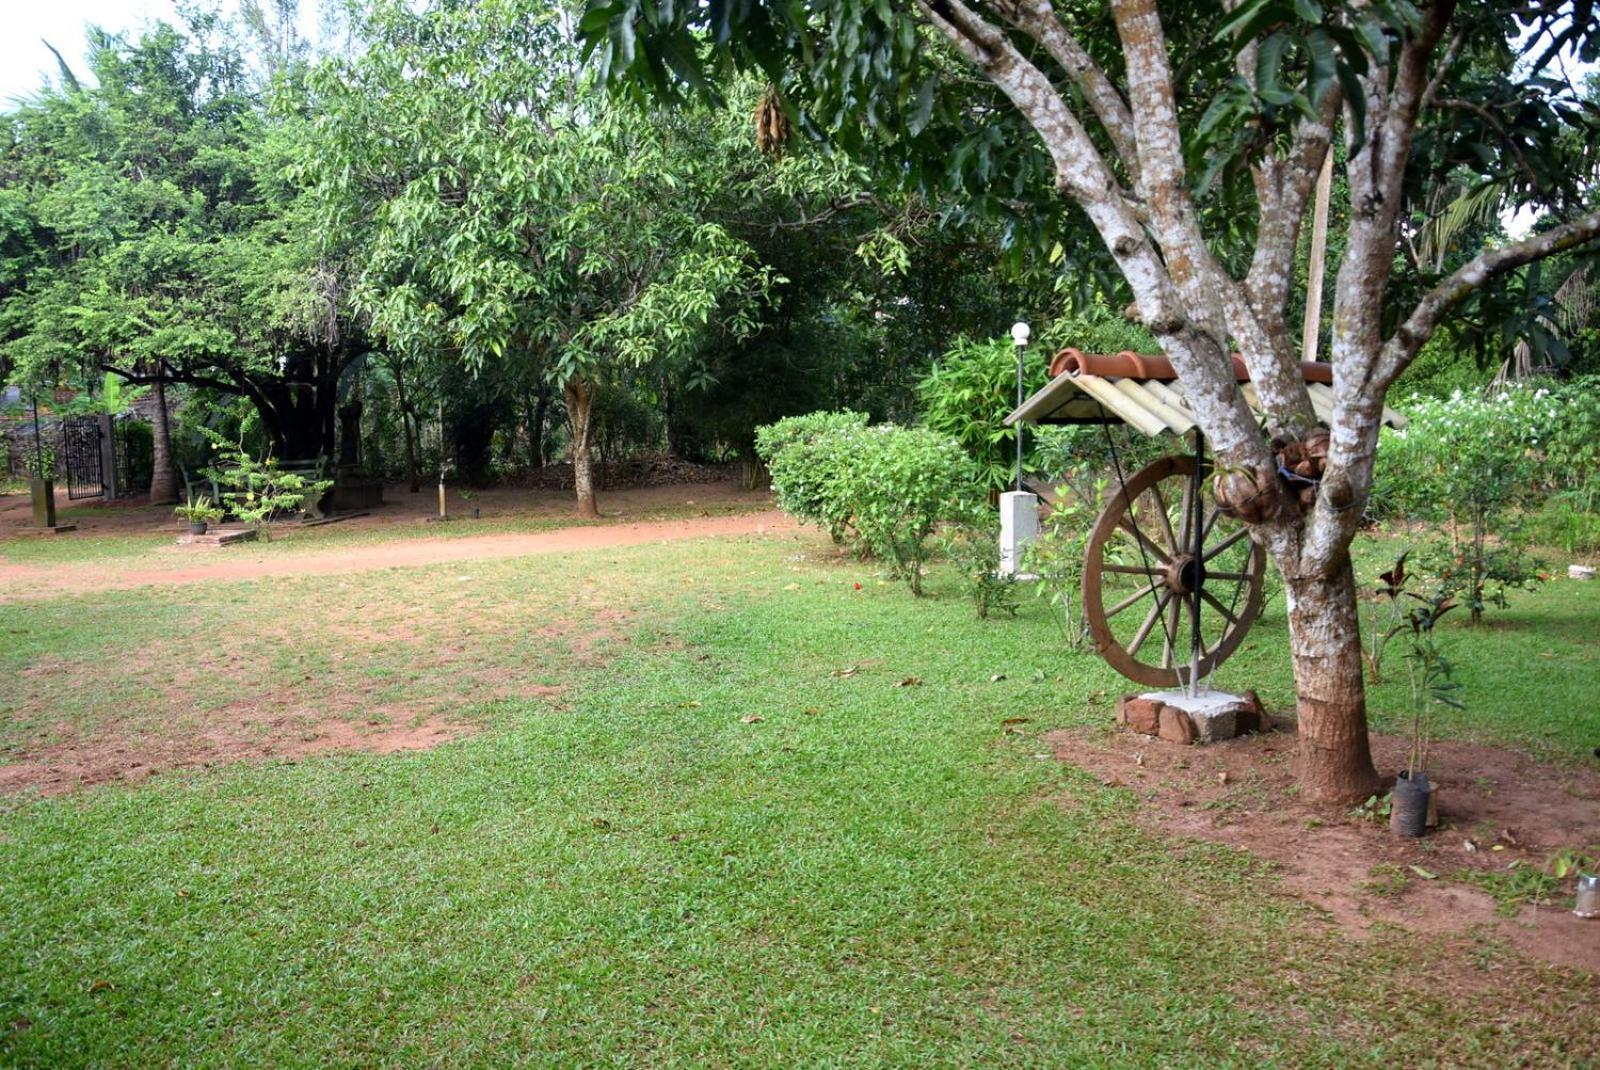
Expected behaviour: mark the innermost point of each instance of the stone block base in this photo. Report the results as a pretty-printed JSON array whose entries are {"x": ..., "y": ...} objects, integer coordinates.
[
  {"x": 219, "y": 538},
  {"x": 1204, "y": 718}
]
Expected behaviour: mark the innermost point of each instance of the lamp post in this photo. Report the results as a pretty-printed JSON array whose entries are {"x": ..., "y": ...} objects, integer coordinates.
[
  {"x": 1019, "y": 338},
  {"x": 1019, "y": 510}
]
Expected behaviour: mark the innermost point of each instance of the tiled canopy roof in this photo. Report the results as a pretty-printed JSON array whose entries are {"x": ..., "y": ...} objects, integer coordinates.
[{"x": 1143, "y": 392}]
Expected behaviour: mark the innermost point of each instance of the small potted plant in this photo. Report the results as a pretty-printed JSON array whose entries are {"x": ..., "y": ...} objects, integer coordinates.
[
  {"x": 200, "y": 513},
  {"x": 1431, "y": 686}
]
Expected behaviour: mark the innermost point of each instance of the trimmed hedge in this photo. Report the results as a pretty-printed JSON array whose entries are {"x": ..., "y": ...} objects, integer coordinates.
[{"x": 884, "y": 489}]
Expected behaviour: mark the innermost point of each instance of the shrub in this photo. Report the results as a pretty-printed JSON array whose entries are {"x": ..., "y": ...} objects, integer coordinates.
[
  {"x": 1056, "y": 559},
  {"x": 801, "y": 455},
  {"x": 261, "y": 489},
  {"x": 1473, "y": 463},
  {"x": 890, "y": 486},
  {"x": 967, "y": 396},
  {"x": 899, "y": 483},
  {"x": 972, "y": 545}
]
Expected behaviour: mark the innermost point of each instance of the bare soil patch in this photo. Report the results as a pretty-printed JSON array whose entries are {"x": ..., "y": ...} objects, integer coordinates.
[
  {"x": 105, "y": 757},
  {"x": 224, "y": 564},
  {"x": 134, "y": 516},
  {"x": 1504, "y": 804}
]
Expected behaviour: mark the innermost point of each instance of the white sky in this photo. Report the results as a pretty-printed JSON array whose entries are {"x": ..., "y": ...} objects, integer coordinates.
[
  {"x": 24, "y": 61},
  {"x": 25, "y": 24}
]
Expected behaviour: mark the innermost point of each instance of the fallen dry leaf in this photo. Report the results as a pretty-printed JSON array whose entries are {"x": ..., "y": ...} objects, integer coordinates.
[
  {"x": 751, "y": 718},
  {"x": 910, "y": 681}
]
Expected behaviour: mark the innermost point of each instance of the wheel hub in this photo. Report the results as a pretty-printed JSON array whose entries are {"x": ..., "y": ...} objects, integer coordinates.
[{"x": 1184, "y": 574}]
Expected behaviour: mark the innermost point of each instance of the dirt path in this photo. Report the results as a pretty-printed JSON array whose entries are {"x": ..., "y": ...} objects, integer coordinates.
[{"x": 28, "y": 582}]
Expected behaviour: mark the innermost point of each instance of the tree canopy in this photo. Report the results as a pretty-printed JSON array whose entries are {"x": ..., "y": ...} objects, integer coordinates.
[{"x": 1181, "y": 143}]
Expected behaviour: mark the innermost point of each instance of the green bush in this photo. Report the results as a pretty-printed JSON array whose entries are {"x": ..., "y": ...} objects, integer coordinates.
[
  {"x": 1477, "y": 466},
  {"x": 260, "y": 488},
  {"x": 886, "y": 488},
  {"x": 972, "y": 546},
  {"x": 802, "y": 455},
  {"x": 899, "y": 483},
  {"x": 967, "y": 396}
]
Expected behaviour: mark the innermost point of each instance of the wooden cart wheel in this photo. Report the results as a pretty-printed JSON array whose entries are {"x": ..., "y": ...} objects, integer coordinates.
[{"x": 1139, "y": 576}]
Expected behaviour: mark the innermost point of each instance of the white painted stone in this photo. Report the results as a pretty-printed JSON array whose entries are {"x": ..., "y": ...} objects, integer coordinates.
[
  {"x": 1019, "y": 527},
  {"x": 1215, "y": 713},
  {"x": 1580, "y": 572}
]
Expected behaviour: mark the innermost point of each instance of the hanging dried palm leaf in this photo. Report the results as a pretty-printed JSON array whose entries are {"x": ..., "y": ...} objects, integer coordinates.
[{"x": 772, "y": 124}]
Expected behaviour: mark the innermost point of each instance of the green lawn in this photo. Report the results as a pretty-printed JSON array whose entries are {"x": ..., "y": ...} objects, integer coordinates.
[{"x": 629, "y": 873}]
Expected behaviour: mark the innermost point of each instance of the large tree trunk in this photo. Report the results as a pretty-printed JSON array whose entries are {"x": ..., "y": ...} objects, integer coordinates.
[
  {"x": 580, "y": 403},
  {"x": 163, "y": 484},
  {"x": 1325, "y": 643}
]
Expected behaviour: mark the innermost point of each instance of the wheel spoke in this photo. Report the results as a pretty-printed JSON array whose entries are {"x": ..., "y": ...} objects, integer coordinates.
[
  {"x": 1185, "y": 519},
  {"x": 1225, "y": 543},
  {"x": 1169, "y": 632},
  {"x": 1127, "y": 526},
  {"x": 1131, "y": 570},
  {"x": 1166, "y": 521},
  {"x": 1219, "y": 607},
  {"x": 1149, "y": 588},
  {"x": 1237, "y": 577},
  {"x": 1162, "y": 598}
]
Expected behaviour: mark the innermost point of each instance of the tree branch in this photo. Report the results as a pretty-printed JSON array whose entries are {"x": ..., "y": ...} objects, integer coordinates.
[
  {"x": 1414, "y": 333},
  {"x": 1198, "y": 354},
  {"x": 1039, "y": 20}
]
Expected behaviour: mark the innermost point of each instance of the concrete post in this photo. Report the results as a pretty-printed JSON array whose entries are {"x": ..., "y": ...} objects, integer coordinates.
[
  {"x": 1019, "y": 527},
  {"x": 43, "y": 492}
]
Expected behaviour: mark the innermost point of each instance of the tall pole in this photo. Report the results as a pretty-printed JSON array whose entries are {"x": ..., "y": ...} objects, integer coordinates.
[
  {"x": 38, "y": 446},
  {"x": 1199, "y": 560},
  {"x": 1019, "y": 338},
  {"x": 1311, "y": 333}
]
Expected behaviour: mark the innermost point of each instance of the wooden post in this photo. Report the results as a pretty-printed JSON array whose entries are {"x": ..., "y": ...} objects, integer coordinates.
[{"x": 1312, "y": 332}]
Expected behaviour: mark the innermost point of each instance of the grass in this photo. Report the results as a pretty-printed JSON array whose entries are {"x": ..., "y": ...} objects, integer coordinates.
[{"x": 631, "y": 873}]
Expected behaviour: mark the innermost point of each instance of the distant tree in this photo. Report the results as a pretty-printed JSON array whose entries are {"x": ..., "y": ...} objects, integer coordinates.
[
  {"x": 512, "y": 213},
  {"x": 154, "y": 237}
]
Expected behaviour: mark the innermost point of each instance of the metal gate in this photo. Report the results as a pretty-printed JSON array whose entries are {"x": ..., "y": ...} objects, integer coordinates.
[
  {"x": 133, "y": 447},
  {"x": 80, "y": 455}
]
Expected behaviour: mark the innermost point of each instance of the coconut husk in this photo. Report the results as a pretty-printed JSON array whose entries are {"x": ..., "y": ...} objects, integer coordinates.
[
  {"x": 1241, "y": 495},
  {"x": 1307, "y": 458}
]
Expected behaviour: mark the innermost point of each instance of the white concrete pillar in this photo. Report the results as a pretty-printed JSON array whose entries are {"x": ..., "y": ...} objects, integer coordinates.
[{"x": 1019, "y": 527}]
